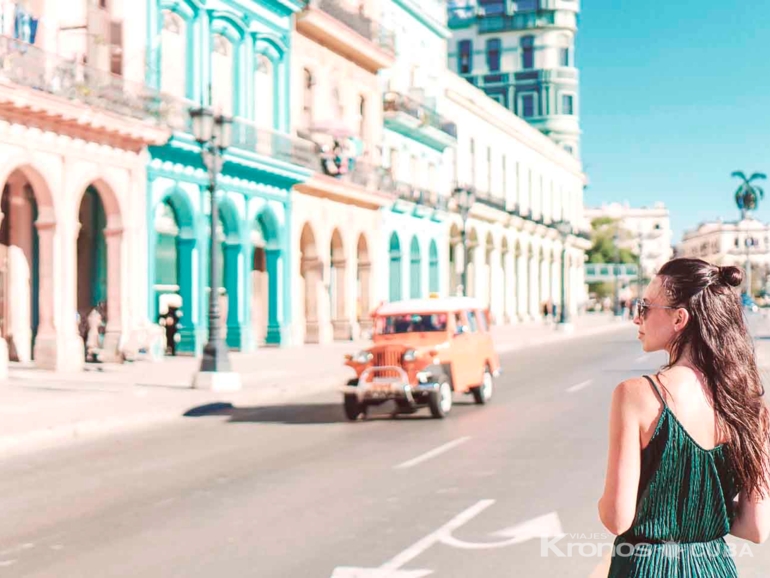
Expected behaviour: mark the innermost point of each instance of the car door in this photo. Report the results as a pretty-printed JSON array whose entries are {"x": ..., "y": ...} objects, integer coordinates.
[
  {"x": 460, "y": 344},
  {"x": 475, "y": 362}
]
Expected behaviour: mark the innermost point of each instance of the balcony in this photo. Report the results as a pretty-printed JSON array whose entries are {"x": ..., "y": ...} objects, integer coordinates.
[
  {"x": 247, "y": 136},
  {"x": 65, "y": 96},
  {"x": 349, "y": 33},
  {"x": 415, "y": 120},
  {"x": 491, "y": 200},
  {"x": 528, "y": 20},
  {"x": 419, "y": 201},
  {"x": 360, "y": 173}
]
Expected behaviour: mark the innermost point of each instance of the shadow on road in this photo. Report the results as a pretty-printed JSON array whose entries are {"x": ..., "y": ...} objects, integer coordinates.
[{"x": 297, "y": 414}]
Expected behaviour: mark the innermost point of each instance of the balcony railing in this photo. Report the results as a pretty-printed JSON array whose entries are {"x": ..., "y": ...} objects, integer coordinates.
[
  {"x": 397, "y": 102},
  {"x": 420, "y": 196},
  {"x": 247, "y": 136},
  {"x": 358, "y": 172},
  {"x": 27, "y": 65},
  {"x": 490, "y": 200},
  {"x": 360, "y": 23}
]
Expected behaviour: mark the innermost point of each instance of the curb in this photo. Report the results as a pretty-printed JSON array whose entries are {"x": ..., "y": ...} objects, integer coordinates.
[{"x": 91, "y": 429}]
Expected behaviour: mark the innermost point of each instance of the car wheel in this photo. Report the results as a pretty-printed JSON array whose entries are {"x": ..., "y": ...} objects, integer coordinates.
[
  {"x": 353, "y": 407},
  {"x": 483, "y": 393},
  {"x": 440, "y": 401}
]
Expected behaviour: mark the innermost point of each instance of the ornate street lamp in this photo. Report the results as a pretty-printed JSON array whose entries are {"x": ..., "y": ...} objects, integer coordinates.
[
  {"x": 464, "y": 198},
  {"x": 747, "y": 199},
  {"x": 214, "y": 134},
  {"x": 565, "y": 230}
]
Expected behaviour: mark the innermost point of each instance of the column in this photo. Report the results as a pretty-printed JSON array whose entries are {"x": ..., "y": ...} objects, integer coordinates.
[
  {"x": 511, "y": 291},
  {"x": 232, "y": 254},
  {"x": 274, "y": 328},
  {"x": 534, "y": 293},
  {"x": 20, "y": 270},
  {"x": 188, "y": 328},
  {"x": 521, "y": 286},
  {"x": 311, "y": 273},
  {"x": 341, "y": 329},
  {"x": 113, "y": 332},
  {"x": 364, "y": 275}
]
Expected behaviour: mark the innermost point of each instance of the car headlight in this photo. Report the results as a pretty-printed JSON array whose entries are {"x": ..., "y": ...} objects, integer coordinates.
[
  {"x": 410, "y": 355},
  {"x": 362, "y": 357}
]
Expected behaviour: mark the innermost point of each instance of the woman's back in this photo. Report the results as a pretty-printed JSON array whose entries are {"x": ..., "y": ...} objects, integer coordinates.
[{"x": 685, "y": 499}]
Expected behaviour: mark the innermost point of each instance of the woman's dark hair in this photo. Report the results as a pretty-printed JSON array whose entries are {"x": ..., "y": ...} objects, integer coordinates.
[{"x": 719, "y": 345}]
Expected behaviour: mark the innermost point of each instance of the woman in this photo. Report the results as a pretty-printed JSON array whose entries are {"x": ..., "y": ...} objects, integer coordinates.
[{"x": 685, "y": 443}]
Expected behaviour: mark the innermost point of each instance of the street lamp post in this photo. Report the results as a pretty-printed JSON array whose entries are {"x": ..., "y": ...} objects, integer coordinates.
[
  {"x": 565, "y": 230},
  {"x": 214, "y": 134},
  {"x": 464, "y": 197},
  {"x": 747, "y": 199}
]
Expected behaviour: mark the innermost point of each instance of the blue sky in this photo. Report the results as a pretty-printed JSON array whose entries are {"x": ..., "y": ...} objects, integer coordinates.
[{"x": 675, "y": 96}]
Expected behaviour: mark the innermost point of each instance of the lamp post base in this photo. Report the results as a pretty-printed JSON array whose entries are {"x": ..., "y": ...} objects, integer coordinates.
[
  {"x": 217, "y": 380},
  {"x": 565, "y": 327},
  {"x": 215, "y": 372}
]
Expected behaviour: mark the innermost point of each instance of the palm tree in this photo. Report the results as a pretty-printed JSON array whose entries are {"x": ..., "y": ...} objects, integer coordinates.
[
  {"x": 748, "y": 195},
  {"x": 747, "y": 198}
]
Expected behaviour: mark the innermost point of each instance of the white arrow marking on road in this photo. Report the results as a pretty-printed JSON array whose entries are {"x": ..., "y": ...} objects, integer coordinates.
[
  {"x": 432, "y": 453},
  {"x": 548, "y": 526},
  {"x": 579, "y": 386}
]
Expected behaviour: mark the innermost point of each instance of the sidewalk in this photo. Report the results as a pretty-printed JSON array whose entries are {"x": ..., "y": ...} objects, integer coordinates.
[{"x": 42, "y": 408}]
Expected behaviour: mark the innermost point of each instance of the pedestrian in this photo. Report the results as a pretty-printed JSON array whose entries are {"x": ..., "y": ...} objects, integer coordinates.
[{"x": 687, "y": 441}]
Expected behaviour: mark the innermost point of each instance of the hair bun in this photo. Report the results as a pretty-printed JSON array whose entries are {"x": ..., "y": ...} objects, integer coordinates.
[{"x": 730, "y": 275}]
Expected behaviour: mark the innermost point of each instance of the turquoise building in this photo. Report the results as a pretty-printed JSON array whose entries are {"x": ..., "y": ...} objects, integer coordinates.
[{"x": 235, "y": 58}]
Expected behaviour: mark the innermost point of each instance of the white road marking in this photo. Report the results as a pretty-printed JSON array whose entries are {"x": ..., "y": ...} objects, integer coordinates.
[
  {"x": 547, "y": 526},
  {"x": 580, "y": 386},
  {"x": 431, "y": 454}
]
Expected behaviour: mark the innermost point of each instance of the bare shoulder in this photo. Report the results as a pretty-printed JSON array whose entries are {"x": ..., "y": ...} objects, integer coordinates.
[{"x": 634, "y": 393}]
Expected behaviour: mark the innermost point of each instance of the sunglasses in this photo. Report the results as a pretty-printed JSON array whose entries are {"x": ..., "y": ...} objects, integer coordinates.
[{"x": 642, "y": 307}]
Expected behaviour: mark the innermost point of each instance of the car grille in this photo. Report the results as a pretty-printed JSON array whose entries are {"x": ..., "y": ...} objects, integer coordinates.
[{"x": 388, "y": 357}]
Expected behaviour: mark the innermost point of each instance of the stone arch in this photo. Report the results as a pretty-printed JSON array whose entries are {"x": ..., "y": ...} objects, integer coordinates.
[
  {"x": 265, "y": 257},
  {"x": 394, "y": 249},
  {"x": 174, "y": 236},
  {"x": 489, "y": 266},
  {"x": 456, "y": 258},
  {"x": 363, "y": 284},
  {"x": 434, "y": 283},
  {"x": 415, "y": 268},
  {"x": 471, "y": 266},
  {"x": 27, "y": 228},
  {"x": 311, "y": 273},
  {"x": 99, "y": 268},
  {"x": 337, "y": 287}
]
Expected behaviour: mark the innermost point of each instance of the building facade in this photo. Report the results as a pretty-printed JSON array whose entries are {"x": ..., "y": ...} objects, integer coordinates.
[
  {"x": 522, "y": 54},
  {"x": 417, "y": 137},
  {"x": 646, "y": 231},
  {"x": 731, "y": 243},
  {"x": 73, "y": 136},
  {"x": 525, "y": 185},
  {"x": 234, "y": 57},
  {"x": 339, "y": 49}
]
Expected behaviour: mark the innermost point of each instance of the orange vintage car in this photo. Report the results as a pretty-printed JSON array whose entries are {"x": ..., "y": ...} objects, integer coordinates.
[{"x": 424, "y": 350}]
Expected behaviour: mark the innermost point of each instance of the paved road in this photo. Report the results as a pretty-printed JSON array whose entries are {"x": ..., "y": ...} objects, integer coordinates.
[{"x": 296, "y": 492}]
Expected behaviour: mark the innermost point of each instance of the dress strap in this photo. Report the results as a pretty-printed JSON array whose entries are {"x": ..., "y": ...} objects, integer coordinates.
[{"x": 657, "y": 391}]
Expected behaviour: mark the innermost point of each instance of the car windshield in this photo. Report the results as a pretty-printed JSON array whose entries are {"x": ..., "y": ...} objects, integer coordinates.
[{"x": 411, "y": 323}]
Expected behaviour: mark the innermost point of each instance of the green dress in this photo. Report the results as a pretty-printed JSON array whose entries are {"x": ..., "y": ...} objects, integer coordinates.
[{"x": 683, "y": 510}]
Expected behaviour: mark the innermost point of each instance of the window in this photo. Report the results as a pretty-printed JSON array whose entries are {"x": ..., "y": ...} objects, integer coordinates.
[
  {"x": 528, "y": 106},
  {"x": 489, "y": 169},
  {"x": 569, "y": 149},
  {"x": 307, "y": 99},
  {"x": 412, "y": 323},
  {"x": 493, "y": 54},
  {"x": 263, "y": 91},
  {"x": 528, "y": 52},
  {"x": 473, "y": 162},
  {"x": 173, "y": 52},
  {"x": 222, "y": 69},
  {"x": 337, "y": 101},
  {"x": 567, "y": 101},
  {"x": 565, "y": 50},
  {"x": 362, "y": 118},
  {"x": 465, "y": 57},
  {"x": 523, "y": 5}
]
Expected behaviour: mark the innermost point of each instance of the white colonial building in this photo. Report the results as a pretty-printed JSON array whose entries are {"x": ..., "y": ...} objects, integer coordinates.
[
  {"x": 646, "y": 231},
  {"x": 525, "y": 184},
  {"x": 731, "y": 243}
]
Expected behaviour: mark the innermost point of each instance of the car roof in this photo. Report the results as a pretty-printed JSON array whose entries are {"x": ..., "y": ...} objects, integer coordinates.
[{"x": 438, "y": 305}]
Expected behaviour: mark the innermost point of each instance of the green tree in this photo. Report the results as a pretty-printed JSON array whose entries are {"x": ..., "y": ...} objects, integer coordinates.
[{"x": 603, "y": 248}]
